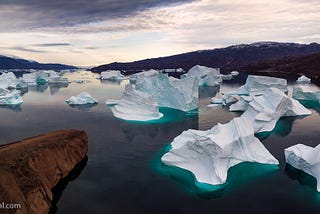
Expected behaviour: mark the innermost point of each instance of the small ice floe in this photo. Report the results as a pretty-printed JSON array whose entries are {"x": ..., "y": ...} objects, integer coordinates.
[
  {"x": 234, "y": 73},
  {"x": 112, "y": 75},
  {"x": 303, "y": 80},
  {"x": 83, "y": 98},
  {"x": 112, "y": 102},
  {"x": 306, "y": 93}
]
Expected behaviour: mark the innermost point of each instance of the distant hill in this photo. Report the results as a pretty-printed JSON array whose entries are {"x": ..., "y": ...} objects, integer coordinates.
[
  {"x": 288, "y": 67},
  {"x": 7, "y": 62},
  {"x": 227, "y": 59}
]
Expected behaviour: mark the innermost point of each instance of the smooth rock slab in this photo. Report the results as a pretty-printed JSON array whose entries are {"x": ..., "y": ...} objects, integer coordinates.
[
  {"x": 209, "y": 154},
  {"x": 305, "y": 158},
  {"x": 30, "y": 168}
]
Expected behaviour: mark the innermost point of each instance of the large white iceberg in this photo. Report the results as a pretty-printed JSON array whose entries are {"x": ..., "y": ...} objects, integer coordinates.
[
  {"x": 136, "y": 105},
  {"x": 303, "y": 80},
  {"x": 8, "y": 80},
  {"x": 43, "y": 77},
  {"x": 205, "y": 75},
  {"x": 83, "y": 98},
  {"x": 11, "y": 98},
  {"x": 265, "y": 110},
  {"x": 258, "y": 84},
  {"x": 112, "y": 75},
  {"x": 133, "y": 77},
  {"x": 306, "y": 93},
  {"x": 209, "y": 154},
  {"x": 171, "y": 92},
  {"x": 305, "y": 158}
]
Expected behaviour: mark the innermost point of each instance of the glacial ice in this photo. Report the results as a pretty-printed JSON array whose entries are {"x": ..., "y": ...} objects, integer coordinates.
[
  {"x": 133, "y": 77},
  {"x": 305, "y": 158},
  {"x": 306, "y": 93},
  {"x": 83, "y": 98},
  {"x": 205, "y": 75},
  {"x": 136, "y": 105},
  {"x": 257, "y": 84},
  {"x": 226, "y": 76},
  {"x": 43, "y": 77},
  {"x": 303, "y": 80},
  {"x": 112, "y": 102},
  {"x": 224, "y": 100},
  {"x": 234, "y": 73},
  {"x": 171, "y": 92},
  {"x": 266, "y": 109},
  {"x": 112, "y": 75},
  {"x": 209, "y": 154},
  {"x": 11, "y": 98},
  {"x": 8, "y": 80}
]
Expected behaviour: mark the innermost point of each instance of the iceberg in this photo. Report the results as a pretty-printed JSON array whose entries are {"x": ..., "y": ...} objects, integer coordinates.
[
  {"x": 209, "y": 154},
  {"x": 205, "y": 75},
  {"x": 226, "y": 76},
  {"x": 11, "y": 98},
  {"x": 305, "y": 158},
  {"x": 112, "y": 102},
  {"x": 224, "y": 100},
  {"x": 306, "y": 93},
  {"x": 83, "y": 98},
  {"x": 133, "y": 77},
  {"x": 136, "y": 105},
  {"x": 265, "y": 110},
  {"x": 8, "y": 80},
  {"x": 112, "y": 75},
  {"x": 303, "y": 80},
  {"x": 258, "y": 84},
  {"x": 181, "y": 94},
  {"x": 234, "y": 73}
]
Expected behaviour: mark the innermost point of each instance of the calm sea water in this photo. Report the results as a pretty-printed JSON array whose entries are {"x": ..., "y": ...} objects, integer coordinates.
[{"x": 124, "y": 174}]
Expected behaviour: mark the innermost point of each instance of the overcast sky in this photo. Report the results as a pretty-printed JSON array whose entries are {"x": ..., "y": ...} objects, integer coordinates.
[{"x": 83, "y": 32}]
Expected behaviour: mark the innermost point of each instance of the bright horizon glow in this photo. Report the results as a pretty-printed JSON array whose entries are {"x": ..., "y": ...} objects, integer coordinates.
[{"x": 154, "y": 31}]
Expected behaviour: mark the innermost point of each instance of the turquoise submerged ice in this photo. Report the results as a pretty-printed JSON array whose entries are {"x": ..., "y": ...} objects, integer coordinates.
[
  {"x": 170, "y": 92},
  {"x": 137, "y": 106},
  {"x": 209, "y": 154},
  {"x": 305, "y": 158},
  {"x": 83, "y": 98}
]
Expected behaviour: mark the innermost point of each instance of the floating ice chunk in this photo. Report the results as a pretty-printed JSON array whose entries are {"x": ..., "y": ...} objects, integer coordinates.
[
  {"x": 136, "y": 105},
  {"x": 265, "y": 110},
  {"x": 213, "y": 105},
  {"x": 305, "y": 158},
  {"x": 171, "y": 92},
  {"x": 111, "y": 75},
  {"x": 79, "y": 81},
  {"x": 209, "y": 154},
  {"x": 224, "y": 100},
  {"x": 11, "y": 98},
  {"x": 57, "y": 80},
  {"x": 306, "y": 93},
  {"x": 82, "y": 99},
  {"x": 234, "y": 73},
  {"x": 257, "y": 84},
  {"x": 8, "y": 80},
  {"x": 112, "y": 102},
  {"x": 206, "y": 76},
  {"x": 226, "y": 76},
  {"x": 303, "y": 80},
  {"x": 30, "y": 79},
  {"x": 242, "y": 104}
]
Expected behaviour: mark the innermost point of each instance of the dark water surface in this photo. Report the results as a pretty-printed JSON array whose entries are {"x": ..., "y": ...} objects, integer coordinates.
[{"x": 123, "y": 173}]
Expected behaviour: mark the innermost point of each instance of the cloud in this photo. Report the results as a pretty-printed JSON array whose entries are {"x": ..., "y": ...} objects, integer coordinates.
[
  {"x": 51, "y": 44},
  {"x": 24, "y": 49},
  {"x": 22, "y": 15}
]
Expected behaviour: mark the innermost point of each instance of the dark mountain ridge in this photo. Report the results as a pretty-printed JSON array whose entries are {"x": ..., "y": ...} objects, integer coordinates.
[{"x": 227, "y": 59}]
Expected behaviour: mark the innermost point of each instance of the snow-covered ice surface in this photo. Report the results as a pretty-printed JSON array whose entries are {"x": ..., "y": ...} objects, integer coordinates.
[
  {"x": 171, "y": 92},
  {"x": 264, "y": 110},
  {"x": 305, "y": 158},
  {"x": 83, "y": 98},
  {"x": 258, "y": 84},
  {"x": 209, "y": 154},
  {"x": 303, "y": 80},
  {"x": 136, "y": 105},
  {"x": 112, "y": 75},
  {"x": 306, "y": 93},
  {"x": 205, "y": 75},
  {"x": 11, "y": 98}
]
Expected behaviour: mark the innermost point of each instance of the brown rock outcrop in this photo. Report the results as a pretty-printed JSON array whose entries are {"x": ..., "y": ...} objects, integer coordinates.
[{"x": 30, "y": 168}]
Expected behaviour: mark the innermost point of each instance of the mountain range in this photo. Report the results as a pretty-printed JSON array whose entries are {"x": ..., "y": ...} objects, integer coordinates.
[
  {"x": 7, "y": 62},
  {"x": 227, "y": 59}
]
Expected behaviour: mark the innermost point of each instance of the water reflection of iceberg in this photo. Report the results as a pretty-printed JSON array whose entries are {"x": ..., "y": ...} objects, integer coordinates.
[
  {"x": 85, "y": 107},
  {"x": 55, "y": 87},
  {"x": 208, "y": 91},
  {"x": 302, "y": 177},
  {"x": 15, "y": 108},
  {"x": 38, "y": 88},
  {"x": 239, "y": 175}
]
